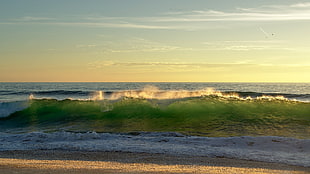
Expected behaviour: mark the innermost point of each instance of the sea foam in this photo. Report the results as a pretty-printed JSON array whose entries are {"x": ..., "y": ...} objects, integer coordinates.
[{"x": 265, "y": 148}]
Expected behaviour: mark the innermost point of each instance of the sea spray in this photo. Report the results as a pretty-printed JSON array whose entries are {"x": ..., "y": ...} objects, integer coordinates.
[{"x": 152, "y": 92}]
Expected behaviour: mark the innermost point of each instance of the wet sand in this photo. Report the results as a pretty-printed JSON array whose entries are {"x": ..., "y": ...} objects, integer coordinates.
[{"x": 55, "y": 162}]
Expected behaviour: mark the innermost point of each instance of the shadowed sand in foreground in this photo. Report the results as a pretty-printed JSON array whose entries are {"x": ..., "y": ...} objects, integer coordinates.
[{"x": 55, "y": 162}]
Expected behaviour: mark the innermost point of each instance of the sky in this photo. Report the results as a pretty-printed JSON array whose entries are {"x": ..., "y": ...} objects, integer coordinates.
[{"x": 154, "y": 41}]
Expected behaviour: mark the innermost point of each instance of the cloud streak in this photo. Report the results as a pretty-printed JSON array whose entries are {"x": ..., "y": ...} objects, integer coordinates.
[
  {"x": 264, "y": 13},
  {"x": 186, "y": 20},
  {"x": 152, "y": 66},
  {"x": 33, "y": 18},
  {"x": 188, "y": 66},
  {"x": 246, "y": 45},
  {"x": 136, "y": 44},
  {"x": 106, "y": 25}
]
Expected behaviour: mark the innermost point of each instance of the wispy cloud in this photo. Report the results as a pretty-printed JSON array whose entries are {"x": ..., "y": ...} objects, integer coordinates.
[
  {"x": 188, "y": 66},
  {"x": 301, "y": 5},
  {"x": 181, "y": 20},
  {"x": 91, "y": 24},
  {"x": 264, "y": 13},
  {"x": 34, "y": 18},
  {"x": 107, "y": 25},
  {"x": 153, "y": 66},
  {"x": 136, "y": 44},
  {"x": 246, "y": 45},
  {"x": 86, "y": 45}
]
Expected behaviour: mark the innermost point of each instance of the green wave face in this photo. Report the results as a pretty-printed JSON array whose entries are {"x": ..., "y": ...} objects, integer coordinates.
[{"x": 203, "y": 116}]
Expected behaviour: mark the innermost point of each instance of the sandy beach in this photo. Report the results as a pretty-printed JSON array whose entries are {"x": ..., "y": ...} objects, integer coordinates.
[{"x": 42, "y": 161}]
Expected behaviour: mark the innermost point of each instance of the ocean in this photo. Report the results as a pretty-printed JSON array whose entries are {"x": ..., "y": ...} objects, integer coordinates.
[{"x": 256, "y": 121}]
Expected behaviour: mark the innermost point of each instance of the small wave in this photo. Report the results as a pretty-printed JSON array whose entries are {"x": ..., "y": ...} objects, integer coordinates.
[
  {"x": 48, "y": 93},
  {"x": 62, "y": 92},
  {"x": 7, "y": 108}
]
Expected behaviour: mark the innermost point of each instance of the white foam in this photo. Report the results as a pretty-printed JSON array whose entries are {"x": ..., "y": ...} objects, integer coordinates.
[{"x": 268, "y": 148}]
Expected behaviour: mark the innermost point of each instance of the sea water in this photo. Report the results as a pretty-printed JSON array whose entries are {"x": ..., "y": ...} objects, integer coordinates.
[{"x": 258, "y": 121}]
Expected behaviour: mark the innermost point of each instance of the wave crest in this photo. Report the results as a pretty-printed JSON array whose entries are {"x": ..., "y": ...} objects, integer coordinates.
[{"x": 152, "y": 92}]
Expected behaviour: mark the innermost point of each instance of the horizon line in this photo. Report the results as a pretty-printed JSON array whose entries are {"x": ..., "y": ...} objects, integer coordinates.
[{"x": 150, "y": 82}]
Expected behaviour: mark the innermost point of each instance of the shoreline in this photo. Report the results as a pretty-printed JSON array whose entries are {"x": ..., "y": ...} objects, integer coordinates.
[{"x": 56, "y": 161}]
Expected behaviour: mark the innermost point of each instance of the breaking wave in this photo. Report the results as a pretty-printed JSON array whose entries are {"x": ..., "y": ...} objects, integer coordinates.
[{"x": 204, "y": 113}]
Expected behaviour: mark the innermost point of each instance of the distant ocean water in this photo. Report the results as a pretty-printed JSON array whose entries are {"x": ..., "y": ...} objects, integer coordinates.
[{"x": 78, "y": 116}]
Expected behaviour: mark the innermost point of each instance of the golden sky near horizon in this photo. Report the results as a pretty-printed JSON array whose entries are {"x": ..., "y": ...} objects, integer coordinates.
[{"x": 144, "y": 40}]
